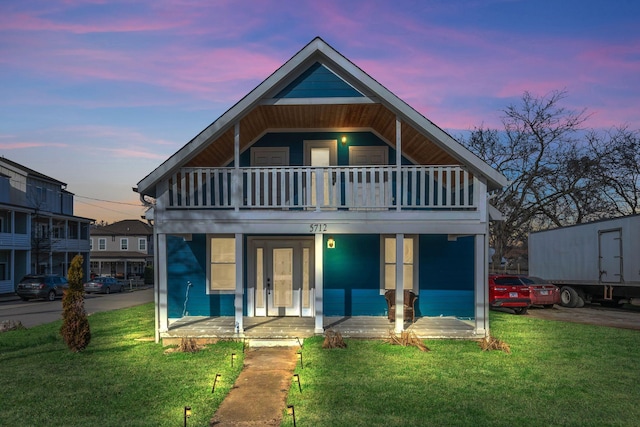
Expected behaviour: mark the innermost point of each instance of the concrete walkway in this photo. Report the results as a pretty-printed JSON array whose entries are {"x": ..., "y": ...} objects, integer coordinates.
[{"x": 258, "y": 397}]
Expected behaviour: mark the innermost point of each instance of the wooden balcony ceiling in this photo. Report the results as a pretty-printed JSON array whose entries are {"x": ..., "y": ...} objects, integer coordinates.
[{"x": 261, "y": 119}]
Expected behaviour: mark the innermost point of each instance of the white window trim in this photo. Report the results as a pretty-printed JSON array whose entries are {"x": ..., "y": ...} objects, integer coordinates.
[
  {"x": 124, "y": 240},
  {"x": 416, "y": 259},
  {"x": 100, "y": 241},
  {"x": 140, "y": 248},
  {"x": 210, "y": 291},
  {"x": 91, "y": 243}
]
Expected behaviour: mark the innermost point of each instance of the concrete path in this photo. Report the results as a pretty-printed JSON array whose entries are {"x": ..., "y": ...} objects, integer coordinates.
[{"x": 258, "y": 398}]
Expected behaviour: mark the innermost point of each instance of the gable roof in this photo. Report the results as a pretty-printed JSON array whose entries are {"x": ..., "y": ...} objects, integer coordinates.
[
  {"x": 131, "y": 227},
  {"x": 281, "y": 101},
  {"x": 30, "y": 172}
]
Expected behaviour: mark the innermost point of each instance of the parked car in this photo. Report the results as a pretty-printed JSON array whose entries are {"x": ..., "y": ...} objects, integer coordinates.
[
  {"x": 542, "y": 292},
  {"x": 510, "y": 292},
  {"x": 47, "y": 286},
  {"x": 103, "y": 285}
]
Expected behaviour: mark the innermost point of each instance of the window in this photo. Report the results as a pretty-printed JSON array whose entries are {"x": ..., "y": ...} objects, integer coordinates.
[
  {"x": 90, "y": 244},
  {"x": 222, "y": 271},
  {"x": 124, "y": 244},
  {"x": 142, "y": 245},
  {"x": 389, "y": 257},
  {"x": 102, "y": 244}
]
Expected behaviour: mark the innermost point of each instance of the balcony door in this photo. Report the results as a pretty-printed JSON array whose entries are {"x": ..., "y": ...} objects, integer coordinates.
[
  {"x": 318, "y": 154},
  {"x": 283, "y": 276}
]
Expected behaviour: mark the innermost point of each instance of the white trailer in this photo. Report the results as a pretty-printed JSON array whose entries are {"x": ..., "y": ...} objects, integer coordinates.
[{"x": 592, "y": 262}]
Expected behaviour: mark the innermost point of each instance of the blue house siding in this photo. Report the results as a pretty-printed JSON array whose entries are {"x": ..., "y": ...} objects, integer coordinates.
[
  {"x": 446, "y": 276},
  {"x": 352, "y": 277},
  {"x": 187, "y": 262},
  {"x": 318, "y": 82}
]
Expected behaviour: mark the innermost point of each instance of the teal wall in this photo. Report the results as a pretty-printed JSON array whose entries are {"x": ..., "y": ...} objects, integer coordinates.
[
  {"x": 187, "y": 262},
  {"x": 318, "y": 82},
  {"x": 294, "y": 140},
  {"x": 351, "y": 277},
  {"x": 446, "y": 276}
]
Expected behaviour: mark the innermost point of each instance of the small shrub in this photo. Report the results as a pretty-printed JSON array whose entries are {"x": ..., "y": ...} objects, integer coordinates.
[
  {"x": 333, "y": 339},
  {"x": 11, "y": 325},
  {"x": 407, "y": 338},
  {"x": 491, "y": 343},
  {"x": 75, "y": 328},
  {"x": 187, "y": 345}
]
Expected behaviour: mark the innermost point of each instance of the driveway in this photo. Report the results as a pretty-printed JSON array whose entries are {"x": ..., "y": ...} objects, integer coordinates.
[{"x": 592, "y": 314}]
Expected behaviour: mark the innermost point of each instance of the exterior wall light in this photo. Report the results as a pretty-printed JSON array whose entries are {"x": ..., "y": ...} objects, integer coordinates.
[
  {"x": 331, "y": 243},
  {"x": 343, "y": 140}
]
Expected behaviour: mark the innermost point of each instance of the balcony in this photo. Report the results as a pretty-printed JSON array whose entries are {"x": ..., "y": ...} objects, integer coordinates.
[{"x": 324, "y": 188}]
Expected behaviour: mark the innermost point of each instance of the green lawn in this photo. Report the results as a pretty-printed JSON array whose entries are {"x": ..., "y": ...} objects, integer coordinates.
[
  {"x": 557, "y": 374},
  {"x": 121, "y": 379}
]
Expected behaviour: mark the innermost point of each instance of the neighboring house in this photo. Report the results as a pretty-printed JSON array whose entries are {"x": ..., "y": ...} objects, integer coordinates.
[
  {"x": 311, "y": 197},
  {"x": 122, "y": 249},
  {"x": 38, "y": 231}
]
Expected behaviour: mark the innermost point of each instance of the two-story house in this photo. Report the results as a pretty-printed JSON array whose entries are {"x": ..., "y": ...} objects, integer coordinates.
[
  {"x": 313, "y": 196},
  {"x": 38, "y": 231},
  {"x": 122, "y": 249}
]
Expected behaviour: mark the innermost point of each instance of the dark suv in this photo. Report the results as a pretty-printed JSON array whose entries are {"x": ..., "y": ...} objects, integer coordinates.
[{"x": 41, "y": 286}]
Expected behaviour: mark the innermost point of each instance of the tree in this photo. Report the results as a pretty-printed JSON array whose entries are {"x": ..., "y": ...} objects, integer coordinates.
[
  {"x": 536, "y": 151},
  {"x": 75, "y": 328},
  {"x": 618, "y": 154}
]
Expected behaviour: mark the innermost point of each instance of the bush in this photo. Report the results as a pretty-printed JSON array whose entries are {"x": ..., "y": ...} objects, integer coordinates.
[{"x": 75, "y": 325}]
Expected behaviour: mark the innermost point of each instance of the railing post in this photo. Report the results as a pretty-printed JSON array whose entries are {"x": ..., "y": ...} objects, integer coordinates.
[{"x": 319, "y": 172}]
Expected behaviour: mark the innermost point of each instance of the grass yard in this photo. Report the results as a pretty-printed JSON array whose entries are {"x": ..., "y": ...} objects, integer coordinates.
[
  {"x": 557, "y": 374},
  {"x": 121, "y": 379}
]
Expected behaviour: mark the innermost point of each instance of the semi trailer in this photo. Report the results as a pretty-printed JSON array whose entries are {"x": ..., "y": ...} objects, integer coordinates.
[{"x": 592, "y": 262}]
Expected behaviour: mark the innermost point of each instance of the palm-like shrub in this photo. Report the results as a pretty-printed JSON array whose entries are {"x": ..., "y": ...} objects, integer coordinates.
[{"x": 75, "y": 325}]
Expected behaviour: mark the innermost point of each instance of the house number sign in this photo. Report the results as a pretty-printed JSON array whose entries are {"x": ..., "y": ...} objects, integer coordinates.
[{"x": 317, "y": 228}]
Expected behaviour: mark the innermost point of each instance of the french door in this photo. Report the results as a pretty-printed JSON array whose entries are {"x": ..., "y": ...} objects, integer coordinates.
[{"x": 283, "y": 276}]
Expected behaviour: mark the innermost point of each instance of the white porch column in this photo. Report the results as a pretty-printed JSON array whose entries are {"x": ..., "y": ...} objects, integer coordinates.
[
  {"x": 238, "y": 302},
  {"x": 481, "y": 290},
  {"x": 319, "y": 277},
  {"x": 399, "y": 326},
  {"x": 160, "y": 294}
]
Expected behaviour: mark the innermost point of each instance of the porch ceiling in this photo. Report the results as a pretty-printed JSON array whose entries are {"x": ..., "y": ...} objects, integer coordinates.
[{"x": 376, "y": 117}]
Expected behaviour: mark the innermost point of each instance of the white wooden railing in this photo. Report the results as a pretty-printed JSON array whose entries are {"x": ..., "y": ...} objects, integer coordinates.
[{"x": 323, "y": 188}]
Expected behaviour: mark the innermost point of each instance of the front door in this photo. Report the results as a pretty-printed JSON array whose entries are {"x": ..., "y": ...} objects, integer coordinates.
[{"x": 283, "y": 277}]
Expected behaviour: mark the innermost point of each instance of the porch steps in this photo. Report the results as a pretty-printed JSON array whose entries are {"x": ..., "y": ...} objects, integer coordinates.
[{"x": 273, "y": 342}]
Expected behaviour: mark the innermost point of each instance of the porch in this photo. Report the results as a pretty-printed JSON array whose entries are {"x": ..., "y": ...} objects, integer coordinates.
[{"x": 209, "y": 329}]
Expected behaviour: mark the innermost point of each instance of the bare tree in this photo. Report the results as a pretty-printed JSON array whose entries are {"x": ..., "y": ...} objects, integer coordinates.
[
  {"x": 536, "y": 151},
  {"x": 618, "y": 155}
]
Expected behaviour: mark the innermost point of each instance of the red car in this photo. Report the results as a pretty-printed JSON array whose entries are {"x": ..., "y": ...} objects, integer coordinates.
[
  {"x": 509, "y": 291},
  {"x": 542, "y": 292}
]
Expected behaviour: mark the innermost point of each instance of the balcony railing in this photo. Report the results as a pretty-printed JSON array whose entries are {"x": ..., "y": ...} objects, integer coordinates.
[{"x": 323, "y": 188}]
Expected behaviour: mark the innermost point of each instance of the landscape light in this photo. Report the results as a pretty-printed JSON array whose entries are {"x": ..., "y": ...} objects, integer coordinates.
[
  {"x": 187, "y": 414},
  {"x": 301, "y": 364},
  {"x": 296, "y": 378},
  {"x": 292, "y": 412},
  {"x": 214, "y": 382}
]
